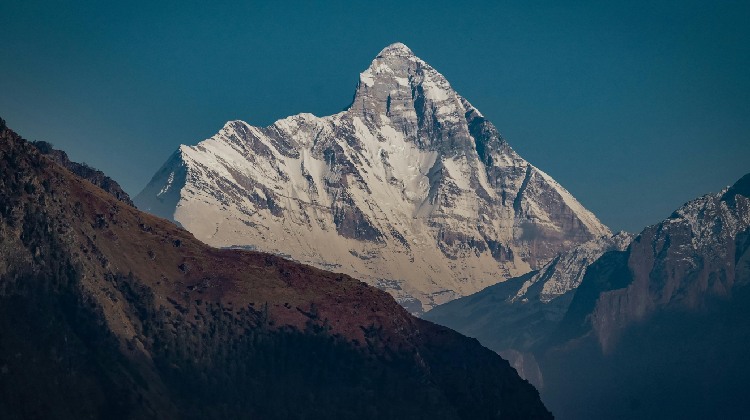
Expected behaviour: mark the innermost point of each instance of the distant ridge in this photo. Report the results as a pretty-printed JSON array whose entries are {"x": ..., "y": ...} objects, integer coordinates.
[{"x": 653, "y": 327}]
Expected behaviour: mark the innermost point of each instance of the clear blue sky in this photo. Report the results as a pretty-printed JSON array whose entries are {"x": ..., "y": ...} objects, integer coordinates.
[{"x": 635, "y": 107}]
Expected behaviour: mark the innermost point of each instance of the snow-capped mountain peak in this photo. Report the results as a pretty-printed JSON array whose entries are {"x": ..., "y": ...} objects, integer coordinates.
[
  {"x": 398, "y": 89},
  {"x": 396, "y": 49},
  {"x": 410, "y": 189}
]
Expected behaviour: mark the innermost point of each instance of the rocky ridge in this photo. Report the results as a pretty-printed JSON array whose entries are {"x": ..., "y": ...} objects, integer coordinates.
[
  {"x": 109, "y": 312},
  {"x": 565, "y": 272},
  {"x": 681, "y": 263},
  {"x": 656, "y": 329},
  {"x": 85, "y": 171},
  {"x": 410, "y": 189},
  {"x": 514, "y": 316}
]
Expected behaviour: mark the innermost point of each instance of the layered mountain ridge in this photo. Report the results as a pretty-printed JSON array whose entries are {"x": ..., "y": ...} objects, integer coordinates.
[
  {"x": 681, "y": 263},
  {"x": 656, "y": 327},
  {"x": 515, "y": 316},
  {"x": 109, "y": 312},
  {"x": 410, "y": 189}
]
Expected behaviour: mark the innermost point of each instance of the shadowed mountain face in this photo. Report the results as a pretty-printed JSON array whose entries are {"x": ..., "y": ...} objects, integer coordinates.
[
  {"x": 410, "y": 189},
  {"x": 657, "y": 329},
  {"x": 108, "y": 312}
]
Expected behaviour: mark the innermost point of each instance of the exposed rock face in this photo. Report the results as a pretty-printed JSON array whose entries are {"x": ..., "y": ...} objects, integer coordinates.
[
  {"x": 657, "y": 329},
  {"x": 86, "y": 172},
  {"x": 410, "y": 189},
  {"x": 681, "y": 263},
  {"x": 109, "y": 312},
  {"x": 514, "y": 316},
  {"x": 660, "y": 330},
  {"x": 565, "y": 272}
]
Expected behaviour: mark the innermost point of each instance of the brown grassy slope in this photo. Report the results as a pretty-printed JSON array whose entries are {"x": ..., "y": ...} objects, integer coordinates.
[
  {"x": 157, "y": 297},
  {"x": 108, "y": 237},
  {"x": 83, "y": 170}
]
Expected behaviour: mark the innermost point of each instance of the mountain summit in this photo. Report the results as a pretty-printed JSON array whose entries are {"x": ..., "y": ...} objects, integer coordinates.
[
  {"x": 396, "y": 48},
  {"x": 410, "y": 189}
]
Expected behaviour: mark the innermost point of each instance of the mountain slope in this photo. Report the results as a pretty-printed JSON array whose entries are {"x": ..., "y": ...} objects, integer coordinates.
[
  {"x": 109, "y": 312},
  {"x": 514, "y": 316},
  {"x": 654, "y": 330},
  {"x": 410, "y": 189},
  {"x": 681, "y": 263},
  {"x": 660, "y": 330},
  {"x": 86, "y": 172}
]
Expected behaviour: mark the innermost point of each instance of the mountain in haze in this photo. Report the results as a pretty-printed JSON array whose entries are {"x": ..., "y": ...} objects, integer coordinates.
[
  {"x": 513, "y": 316},
  {"x": 655, "y": 329},
  {"x": 410, "y": 189},
  {"x": 108, "y": 312}
]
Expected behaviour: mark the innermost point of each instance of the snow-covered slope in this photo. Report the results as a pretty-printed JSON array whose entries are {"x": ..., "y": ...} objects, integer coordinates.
[
  {"x": 516, "y": 314},
  {"x": 409, "y": 189},
  {"x": 565, "y": 272}
]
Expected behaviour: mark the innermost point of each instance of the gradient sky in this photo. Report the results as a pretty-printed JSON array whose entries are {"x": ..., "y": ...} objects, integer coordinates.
[{"x": 634, "y": 107}]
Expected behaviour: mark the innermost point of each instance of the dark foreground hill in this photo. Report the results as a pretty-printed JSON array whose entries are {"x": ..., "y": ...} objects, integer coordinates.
[
  {"x": 108, "y": 312},
  {"x": 85, "y": 171}
]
